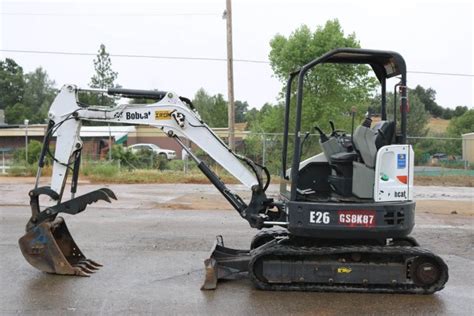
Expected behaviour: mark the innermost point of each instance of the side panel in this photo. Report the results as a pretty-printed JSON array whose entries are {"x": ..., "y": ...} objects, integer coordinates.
[
  {"x": 394, "y": 173},
  {"x": 351, "y": 220}
]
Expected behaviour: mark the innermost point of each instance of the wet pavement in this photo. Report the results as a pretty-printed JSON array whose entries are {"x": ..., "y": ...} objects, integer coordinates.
[{"x": 153, "y": 240}]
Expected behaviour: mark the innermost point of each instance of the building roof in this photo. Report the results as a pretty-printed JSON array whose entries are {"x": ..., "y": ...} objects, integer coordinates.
[{"x": 117, "y": 132}]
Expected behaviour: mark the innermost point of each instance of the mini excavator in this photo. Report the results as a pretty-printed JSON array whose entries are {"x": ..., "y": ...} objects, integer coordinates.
[{"x": 340, "y": 223}]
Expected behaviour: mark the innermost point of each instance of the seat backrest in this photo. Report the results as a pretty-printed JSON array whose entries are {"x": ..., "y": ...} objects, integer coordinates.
[
  {"x": 364, "y": 142},
  {"x": 385, "y": 131}
]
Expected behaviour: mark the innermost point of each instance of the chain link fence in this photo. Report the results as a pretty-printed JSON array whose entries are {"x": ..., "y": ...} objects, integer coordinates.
[{"x": 433, "y": 155}]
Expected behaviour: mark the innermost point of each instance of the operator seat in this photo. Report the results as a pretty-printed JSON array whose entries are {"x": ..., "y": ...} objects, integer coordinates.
[
  {"x": 385, "y": 132},
  {"x": 367, "y": 141}
]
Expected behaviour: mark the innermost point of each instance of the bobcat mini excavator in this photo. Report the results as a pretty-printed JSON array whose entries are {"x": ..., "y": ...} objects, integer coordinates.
[{"x": 343, "y": 216}]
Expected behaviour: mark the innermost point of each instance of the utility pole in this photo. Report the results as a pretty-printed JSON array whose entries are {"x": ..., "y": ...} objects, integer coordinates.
[
  {"x": 110, "y": 144},
  {"x": 26, "y": 140},
  {"x": 230, "y": 74}
]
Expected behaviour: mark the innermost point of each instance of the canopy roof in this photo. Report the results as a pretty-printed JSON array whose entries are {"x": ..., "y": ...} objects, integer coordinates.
[{"x": 385, "y": 64}]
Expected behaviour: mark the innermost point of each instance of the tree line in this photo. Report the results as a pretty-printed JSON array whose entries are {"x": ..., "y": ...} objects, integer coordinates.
[{"x": 330, "y": 92}]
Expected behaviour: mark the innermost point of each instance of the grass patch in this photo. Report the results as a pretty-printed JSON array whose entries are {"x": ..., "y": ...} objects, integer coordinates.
[
  {"x": 105, "y": 170},
  {"x": 445, "y": 180},
  {"x": 111, "y": 173},
  {"x": 27, "y": 170},
  {"x": 438, "y": 125},
  {"x": 153, "y": 176}
]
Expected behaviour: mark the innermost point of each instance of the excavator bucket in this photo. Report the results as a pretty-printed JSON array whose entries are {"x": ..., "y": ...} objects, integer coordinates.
[{"x": 49, "y": 247}]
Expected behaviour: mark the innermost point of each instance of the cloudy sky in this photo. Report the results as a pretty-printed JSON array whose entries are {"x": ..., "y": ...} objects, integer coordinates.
[{"x": 433, "y": 36}]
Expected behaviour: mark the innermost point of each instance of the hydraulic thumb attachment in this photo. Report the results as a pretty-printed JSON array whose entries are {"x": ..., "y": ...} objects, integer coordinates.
[{"x": 47, "y": 244}]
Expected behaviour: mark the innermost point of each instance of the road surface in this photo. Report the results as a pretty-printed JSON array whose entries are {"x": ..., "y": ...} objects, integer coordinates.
[{"x": 153, "y": 240}]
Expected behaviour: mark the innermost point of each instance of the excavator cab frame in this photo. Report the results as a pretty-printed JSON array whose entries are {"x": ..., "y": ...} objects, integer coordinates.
[{"x": 385, "y": 65}]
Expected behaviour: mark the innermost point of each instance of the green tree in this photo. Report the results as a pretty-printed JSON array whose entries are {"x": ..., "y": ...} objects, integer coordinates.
[
  {"x": 213, "y": 109},
  {"x": 269, "y": 119},
  {"x": 460, "y": 110},
  {"x": 103, "y": 78},
  {"x": 264, "y": 124},
  {"x": 251, "y": 116},
  {"x": 457, "y": 126},
  {"x": 462, "y": 124},
  {"x": 12, "y": 83},
  {"x": 241, "y": 108},
  {"x": 417, "y": 118},
  {"x": 330, "y": 90},
  {"x": 447, "y": 114},
  {"x": 38, "y": 94},
  {"x": 16, "y": 114},
  {"x": 428, "y": 97}
]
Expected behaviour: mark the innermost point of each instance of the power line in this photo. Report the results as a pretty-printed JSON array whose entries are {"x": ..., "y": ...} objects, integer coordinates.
[
  {"x": 132, "y": 56},
  {"x": 254, "y": 61},
  {"x": 439, "y": 73},
  {"x": 106, "y": 14}
]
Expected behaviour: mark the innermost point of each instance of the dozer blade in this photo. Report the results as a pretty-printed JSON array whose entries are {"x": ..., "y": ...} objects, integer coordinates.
[
  {"x": 224, "y": 264},
  {"x": 49, "y": 247}
]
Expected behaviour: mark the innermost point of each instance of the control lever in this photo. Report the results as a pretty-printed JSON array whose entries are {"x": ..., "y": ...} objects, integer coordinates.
[
  {"x": 333, "y": 129},
  {"x": 353, "y": 114},
  {"x": 335, "y": 132},
  {"x": 322, "y": 137}
]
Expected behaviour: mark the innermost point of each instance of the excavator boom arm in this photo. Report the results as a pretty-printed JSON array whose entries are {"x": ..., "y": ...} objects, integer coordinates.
[
  {"x": 176, "y": 117},
  {"x": 170, "y": 114}
]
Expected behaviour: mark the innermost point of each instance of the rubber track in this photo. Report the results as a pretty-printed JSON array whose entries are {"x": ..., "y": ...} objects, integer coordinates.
[
  {"x": 272, "y": 232},
  {"x": 293, "y": 251}
]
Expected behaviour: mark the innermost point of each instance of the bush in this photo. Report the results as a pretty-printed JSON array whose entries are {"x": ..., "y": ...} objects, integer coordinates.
[
  {"x": 422, "y": 157},
  {"x": 34, "y": 151},
  {"x": 455, "y": 164},
  {"x": 178, "y": 165},
  {"x": 143, "y": 159},
  {"x": 126, "y": 157},
  {"x": 101, "y": 169},
  {"x": 147, "y": 159},
  {"x": 22, "y": 169}
]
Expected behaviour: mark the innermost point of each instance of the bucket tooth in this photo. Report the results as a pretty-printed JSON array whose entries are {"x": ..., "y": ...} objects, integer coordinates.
[
  {"x": 88, "y": 265},
  {"x": 94, "y": 263},
  {"x": 109, "y": 192},
  {"x": 82, "y": 273},
  {"x": 84, "y": 268}
]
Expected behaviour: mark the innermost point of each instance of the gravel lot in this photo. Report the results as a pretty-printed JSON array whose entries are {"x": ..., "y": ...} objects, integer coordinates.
[{"x": 153, "y": 240}]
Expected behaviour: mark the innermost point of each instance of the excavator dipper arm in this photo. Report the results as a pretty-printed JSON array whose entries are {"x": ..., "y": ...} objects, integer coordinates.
[{"x": 48, "y": 245}]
